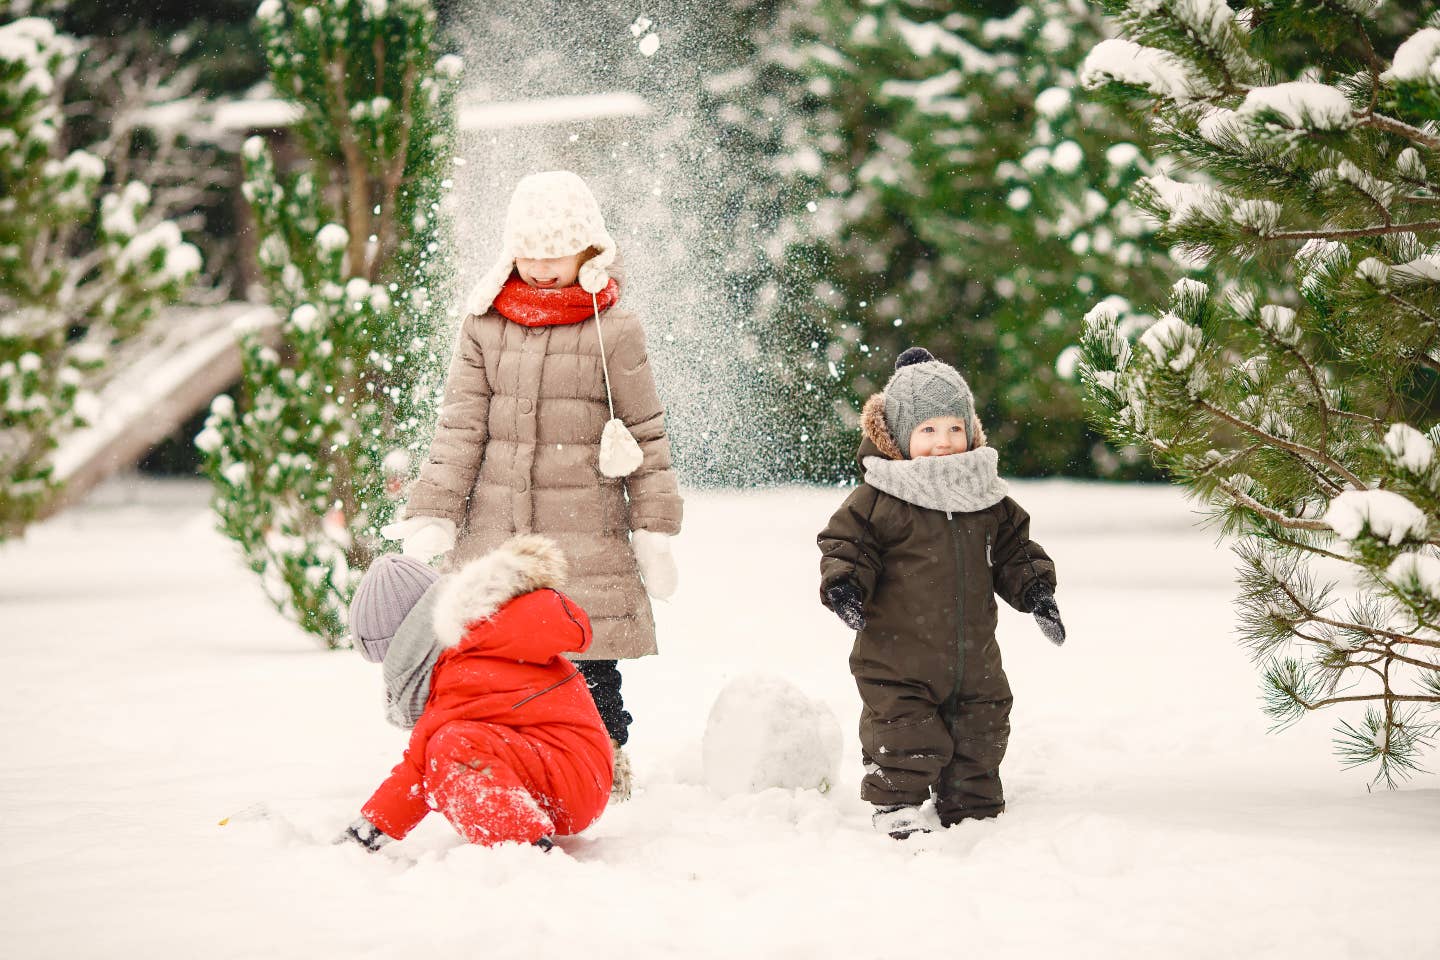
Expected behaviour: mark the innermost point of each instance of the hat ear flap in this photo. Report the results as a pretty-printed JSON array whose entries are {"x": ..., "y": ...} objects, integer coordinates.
[
  {"x": 594, "y": 274},
  {"x": 487, "y": 288}
]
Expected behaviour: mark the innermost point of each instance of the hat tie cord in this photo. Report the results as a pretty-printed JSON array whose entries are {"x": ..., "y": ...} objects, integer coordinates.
[{"x": 604, "y": 365}]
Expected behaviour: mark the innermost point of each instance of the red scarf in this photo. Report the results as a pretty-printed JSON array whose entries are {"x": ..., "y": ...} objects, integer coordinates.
[{"x": 533, "y": 307}]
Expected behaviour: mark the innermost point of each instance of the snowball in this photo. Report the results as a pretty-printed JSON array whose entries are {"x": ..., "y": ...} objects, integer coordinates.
[
  {"x": 1415, "y": 571},
  {"x": 1409, "y": 448},
  {"x": 649, "y": 44},
  {"x": 1417, "y": 59},
  {"x": 1387, "y": 515},
  {"x": 1302, "y": 103},
  {"x": 764, "y": 732}
]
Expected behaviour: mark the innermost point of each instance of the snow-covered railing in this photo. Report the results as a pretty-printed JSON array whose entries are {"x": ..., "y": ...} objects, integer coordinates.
[
  {"x": 156, "y": 392},
  {"x": 244, "y": 116}
]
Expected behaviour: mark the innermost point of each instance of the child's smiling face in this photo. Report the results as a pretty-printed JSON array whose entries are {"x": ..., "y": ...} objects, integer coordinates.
[
  {"x": 938, "y": 437},
  {"x": 552, "y": 273}
]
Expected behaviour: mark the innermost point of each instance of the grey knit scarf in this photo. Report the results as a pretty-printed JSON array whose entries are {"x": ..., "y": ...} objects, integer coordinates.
[
  {"x": 409, "y": 661},
  {"x": 958, "y": 483}
]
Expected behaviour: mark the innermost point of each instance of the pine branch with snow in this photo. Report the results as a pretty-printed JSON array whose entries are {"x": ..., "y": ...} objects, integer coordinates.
[
  {"x": 310, "y": 461},
  {"x": 85, "y": 262},
  {"x": 1284, "y": 395}
]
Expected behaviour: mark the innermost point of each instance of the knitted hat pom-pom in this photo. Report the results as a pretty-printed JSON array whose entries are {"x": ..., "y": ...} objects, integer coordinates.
[{"x": 913, "y": 355}]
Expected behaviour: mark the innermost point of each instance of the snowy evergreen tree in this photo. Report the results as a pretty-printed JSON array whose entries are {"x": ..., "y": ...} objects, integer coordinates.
[
  {"x": 958, "y": 191},
  {"x": 83, "y": 265},
  {"x": 1296, "y": 395},
  {"x": 312, "y": 458}
]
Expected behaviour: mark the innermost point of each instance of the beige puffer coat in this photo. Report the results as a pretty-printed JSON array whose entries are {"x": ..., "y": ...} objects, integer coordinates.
[{"x": 516, "y": 451}]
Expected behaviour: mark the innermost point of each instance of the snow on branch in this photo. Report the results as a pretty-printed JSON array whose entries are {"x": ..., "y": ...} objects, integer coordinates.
[{"x": 1380, "y": 514}]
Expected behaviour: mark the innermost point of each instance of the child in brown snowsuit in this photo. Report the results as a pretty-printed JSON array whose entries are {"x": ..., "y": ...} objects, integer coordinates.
[{"x": 913, "y": 561}]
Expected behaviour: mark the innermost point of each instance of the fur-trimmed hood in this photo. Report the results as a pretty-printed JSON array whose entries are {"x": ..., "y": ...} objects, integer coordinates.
[
  {"x": 874, "y": 428},
  {"x": 518, "y": 566}
]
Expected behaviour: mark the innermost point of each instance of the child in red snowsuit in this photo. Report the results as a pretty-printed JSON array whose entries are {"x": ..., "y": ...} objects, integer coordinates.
[{"x": 509, "y": 745}]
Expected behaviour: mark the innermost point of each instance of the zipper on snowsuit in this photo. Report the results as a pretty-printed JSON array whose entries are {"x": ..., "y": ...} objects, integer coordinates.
[{"x": 959, "y": 607}]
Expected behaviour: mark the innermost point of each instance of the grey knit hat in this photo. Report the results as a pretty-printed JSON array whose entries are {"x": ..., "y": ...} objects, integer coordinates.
[
  {"x": 388, "y": 591},
  {"x": 923, "y": 387}
]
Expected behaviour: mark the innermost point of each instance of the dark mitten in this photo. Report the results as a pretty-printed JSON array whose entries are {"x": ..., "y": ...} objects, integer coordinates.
[
  {"x": 1040, "y": 598},
  {"x": 844, "y": 601},
  {"x": 366, "y": 834}
]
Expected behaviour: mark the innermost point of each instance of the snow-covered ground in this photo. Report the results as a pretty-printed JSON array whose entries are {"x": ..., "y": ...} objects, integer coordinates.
[{"x": 152, "y": 691}]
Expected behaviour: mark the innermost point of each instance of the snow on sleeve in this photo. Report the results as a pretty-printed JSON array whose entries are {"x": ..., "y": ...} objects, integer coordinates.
[
  {"x": 1418, "y": 59},
  {"x": 765, "y": 732},
  {"x": 1386, "y": 515},
  {"x": 1123, "y": 61},
  {"x": 1303, "y": 103}
]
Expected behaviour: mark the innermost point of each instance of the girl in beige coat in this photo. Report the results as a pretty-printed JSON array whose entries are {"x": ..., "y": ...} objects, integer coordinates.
[{"x": 551, "y": 424}]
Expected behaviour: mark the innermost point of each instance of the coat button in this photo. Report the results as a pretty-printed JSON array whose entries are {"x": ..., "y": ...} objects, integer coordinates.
[
  {"x": 523, "y": 485},
  {"x": 526, "y": 405}
]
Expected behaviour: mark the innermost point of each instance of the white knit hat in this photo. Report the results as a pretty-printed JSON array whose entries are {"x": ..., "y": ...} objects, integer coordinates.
[{"x": 551, "y": 214}]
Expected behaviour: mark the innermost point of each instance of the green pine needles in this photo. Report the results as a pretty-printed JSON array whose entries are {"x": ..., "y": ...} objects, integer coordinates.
[
  {"x": 1296, "y": 395},
  {"x": 309, "y": 461}
]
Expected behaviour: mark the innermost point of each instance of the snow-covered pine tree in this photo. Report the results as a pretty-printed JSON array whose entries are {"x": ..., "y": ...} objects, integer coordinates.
[
  {"x": 1297, "y": 397},
  {"x": 960, "y": 193},
  {"x": 311, "y": 459},
  {"x": 83, "y": 266}
]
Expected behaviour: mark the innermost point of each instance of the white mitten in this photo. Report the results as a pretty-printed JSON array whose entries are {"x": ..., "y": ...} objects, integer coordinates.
[
  {"x": 657, "y": 564},
  {"x": 423, "y": 537}
]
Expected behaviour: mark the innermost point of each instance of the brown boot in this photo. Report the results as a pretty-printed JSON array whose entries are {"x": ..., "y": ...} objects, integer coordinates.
[{"x": 621, "y": 782}]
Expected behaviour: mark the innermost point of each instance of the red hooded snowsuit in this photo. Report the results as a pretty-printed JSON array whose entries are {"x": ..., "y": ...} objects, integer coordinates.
[{"x": 510, "y": 746}]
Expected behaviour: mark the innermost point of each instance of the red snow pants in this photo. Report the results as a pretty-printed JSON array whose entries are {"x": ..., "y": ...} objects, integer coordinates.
[{"x": 491, "y": 783}]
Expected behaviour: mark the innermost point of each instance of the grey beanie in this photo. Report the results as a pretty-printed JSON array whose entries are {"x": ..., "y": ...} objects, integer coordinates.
[
  {"x": 923, "y": 387},
  {"x": 388, "y": 591}
]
